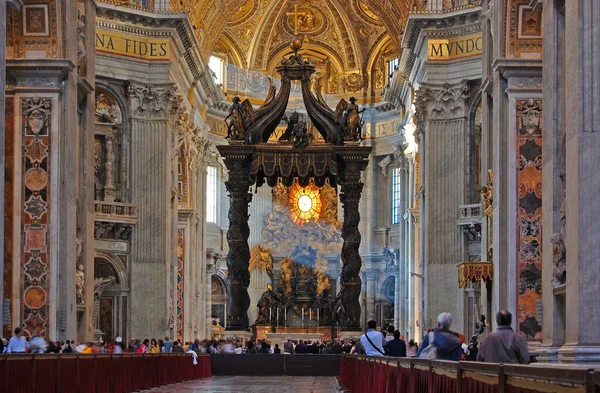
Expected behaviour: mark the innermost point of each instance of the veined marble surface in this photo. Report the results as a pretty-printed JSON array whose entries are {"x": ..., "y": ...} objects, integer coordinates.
[{"x": 243, "y": 384}]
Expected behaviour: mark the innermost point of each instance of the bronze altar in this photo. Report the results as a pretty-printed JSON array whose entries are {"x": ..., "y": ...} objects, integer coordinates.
[{"x": 250, "y": 160}]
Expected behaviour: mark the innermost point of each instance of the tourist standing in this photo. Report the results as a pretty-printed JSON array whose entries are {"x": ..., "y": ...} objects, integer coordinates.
[
  {"x": 446, "y": 342},
  {"x": 347, "y": 347},
  {"x": 177, "y": 348},
  {"x": 168, "y": 345},
  {"x": 288, "y": 346},
  {"x": 17, "y": 343},
  {"x": 300, "y": 348},
  {"x": 154, "y": 348},
  {"x": 373, "y": 341},
  {"x": 504, "y": 345},
  {"x": 390, "y": 333},
  {"x": 336, "y": 347},
  {"x": 37, "y": 344},
  {"x": 396, "y": 347},
  {"x": 357, "y": 349},
  {"x": 413, "y": 348}
]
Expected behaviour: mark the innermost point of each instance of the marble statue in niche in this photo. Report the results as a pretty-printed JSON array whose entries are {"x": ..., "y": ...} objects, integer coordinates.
[
  {"x": 559, "y": 252},
  {"x": 80, "y": 283}
]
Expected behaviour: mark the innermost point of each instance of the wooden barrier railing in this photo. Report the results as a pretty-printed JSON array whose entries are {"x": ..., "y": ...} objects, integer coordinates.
[
  {"x": 72, "y": 373},
  {"x": 362, "y": 374}
]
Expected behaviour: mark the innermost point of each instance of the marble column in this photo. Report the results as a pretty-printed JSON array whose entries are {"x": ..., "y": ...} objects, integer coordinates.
[
  {"x": 350, "y": 279},
  {"x": 3, "y": 12},
  {"x": 442, "y": 109},
  {"x": 85, "y": 193},
  {"x": 582, "y": 124},
  {"x": 237, "y": 159},
  {"x": 553, "y": 176},
  {"x": 151, "y": 192}
]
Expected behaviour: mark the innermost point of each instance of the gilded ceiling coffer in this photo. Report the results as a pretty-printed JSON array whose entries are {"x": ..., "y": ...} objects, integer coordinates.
[{"x": 251, "y": 159}]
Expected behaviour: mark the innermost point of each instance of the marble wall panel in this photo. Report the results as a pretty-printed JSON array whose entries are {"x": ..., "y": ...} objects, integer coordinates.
[
  {"x": 180, "y": 294},
  {"x": 523, "y": 30},
  {"x": 529, "y": 218},
  {"x": 8, "y": 212},
  {"x": 34, "y": 32},
  {"x": 35, "y": 202}
]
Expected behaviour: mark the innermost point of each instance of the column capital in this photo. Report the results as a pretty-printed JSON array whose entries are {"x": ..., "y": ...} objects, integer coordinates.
[
  {"x": 371, "y": 274},
  {"x": 440, "y": 102},
  {"x": 153, "y": 101}
]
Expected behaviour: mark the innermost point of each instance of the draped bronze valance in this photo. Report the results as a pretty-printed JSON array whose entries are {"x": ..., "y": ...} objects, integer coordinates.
[{"x": 474, "y": 271}]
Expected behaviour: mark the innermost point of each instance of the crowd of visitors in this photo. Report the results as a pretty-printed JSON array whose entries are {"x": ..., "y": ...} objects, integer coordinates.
[
  {"x": 502, "y": 346},
  {"x": 18, "y": 343}
]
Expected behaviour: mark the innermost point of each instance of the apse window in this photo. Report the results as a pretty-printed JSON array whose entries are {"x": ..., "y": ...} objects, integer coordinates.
[
  {"x": 211, "y": 194},
  {"x": 396, "y": 196},
  {"x": 305, "y": 203},
  {"x": 217, "y": 66}
]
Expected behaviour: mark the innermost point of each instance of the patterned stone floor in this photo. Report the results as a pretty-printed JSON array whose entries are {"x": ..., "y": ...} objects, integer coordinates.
[{"x": 254, "y": 385}]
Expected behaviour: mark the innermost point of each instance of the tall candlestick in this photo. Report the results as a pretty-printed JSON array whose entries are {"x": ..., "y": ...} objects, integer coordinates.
[
  {"x": 277, "y": 313},
  {"x": 302, "y": 314},
  {"x": 317, "y": 314},
  {"x": 310, "y": 314},
  {"x": 270, "y": 318}
]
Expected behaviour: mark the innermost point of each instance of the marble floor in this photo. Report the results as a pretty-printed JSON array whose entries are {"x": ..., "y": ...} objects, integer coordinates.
[{"x": 254, "y": 385}]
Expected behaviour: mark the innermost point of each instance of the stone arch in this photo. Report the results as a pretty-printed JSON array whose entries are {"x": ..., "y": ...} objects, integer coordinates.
[
  {"x": 117, "y": 265},
  {"x": 119, "y": 98},
  {"x": 218, "y": 291},
  {"x": 111, "y": 306},
  {"x": 383, "y": 281},
  {"x": 385, "y": 299}
]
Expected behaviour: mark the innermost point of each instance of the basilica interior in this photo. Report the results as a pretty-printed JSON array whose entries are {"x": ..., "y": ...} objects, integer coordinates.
[{"x": 254, "y": 168}]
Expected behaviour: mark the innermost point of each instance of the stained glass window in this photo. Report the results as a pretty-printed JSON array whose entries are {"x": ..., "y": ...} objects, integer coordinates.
[{"x": 305, "y": 203}]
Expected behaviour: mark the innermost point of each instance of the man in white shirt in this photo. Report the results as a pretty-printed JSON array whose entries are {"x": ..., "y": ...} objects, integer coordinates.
[
  {"x": 17, "y": 343},
  {"x": 37, "y": 344},
  {"x": 373, "y": 341}
]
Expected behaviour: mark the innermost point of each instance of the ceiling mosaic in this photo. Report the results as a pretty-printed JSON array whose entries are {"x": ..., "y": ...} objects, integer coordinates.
[{"x": 255, "y": 34}]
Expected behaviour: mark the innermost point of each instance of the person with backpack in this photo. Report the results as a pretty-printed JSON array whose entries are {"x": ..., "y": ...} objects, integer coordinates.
[
  {"x": 504, "y": 345},
  {"x": 442, "y": 343}
]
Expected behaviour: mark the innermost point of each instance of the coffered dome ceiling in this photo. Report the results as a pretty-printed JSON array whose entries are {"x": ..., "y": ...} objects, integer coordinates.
[{"x": 350, "y": 34}]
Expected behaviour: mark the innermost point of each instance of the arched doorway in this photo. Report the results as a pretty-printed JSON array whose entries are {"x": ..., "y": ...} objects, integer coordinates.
[
  {"x": 385, "y": 301},
  {"x": 218, "y": 299},
  {"x": 111, "y": 289}
]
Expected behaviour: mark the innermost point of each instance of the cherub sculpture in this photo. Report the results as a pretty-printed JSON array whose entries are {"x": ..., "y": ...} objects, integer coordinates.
[
  {"x": 291, "y": 121},
  {"x": 301, "y": 138}
]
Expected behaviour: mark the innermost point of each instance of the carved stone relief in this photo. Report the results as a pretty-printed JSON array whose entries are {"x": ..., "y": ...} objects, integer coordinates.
[{"x": 150, "y": 101}]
